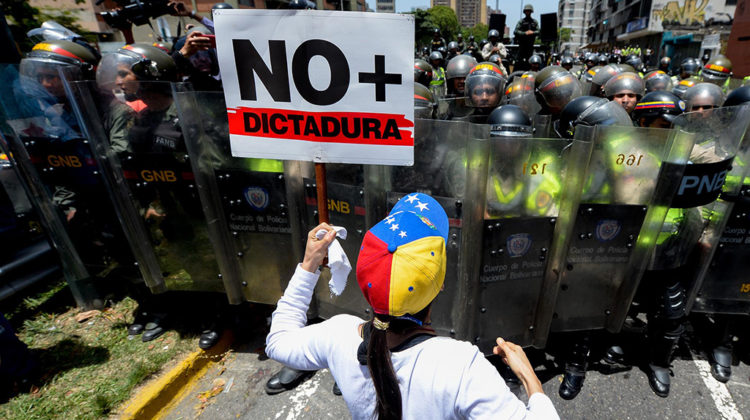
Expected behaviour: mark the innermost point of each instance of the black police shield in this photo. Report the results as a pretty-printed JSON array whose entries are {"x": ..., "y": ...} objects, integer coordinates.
[{"x": 532, "y": 188}]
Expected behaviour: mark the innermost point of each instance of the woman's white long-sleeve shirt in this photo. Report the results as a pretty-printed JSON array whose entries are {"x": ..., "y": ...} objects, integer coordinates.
[{"x": 439, "y": 378}]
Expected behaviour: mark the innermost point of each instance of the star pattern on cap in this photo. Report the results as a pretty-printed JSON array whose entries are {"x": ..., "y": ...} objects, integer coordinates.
[
  {"x": 410, "y": 199},
  {"x": 422, "y": 206},
  {"x": 402, "y": 234},
  {"x": 389, "y": 220},
  {"x": 394, "y": 227}
]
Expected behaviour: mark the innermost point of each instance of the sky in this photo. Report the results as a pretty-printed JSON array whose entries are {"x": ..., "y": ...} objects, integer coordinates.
[{"x": 512, "y": 9}]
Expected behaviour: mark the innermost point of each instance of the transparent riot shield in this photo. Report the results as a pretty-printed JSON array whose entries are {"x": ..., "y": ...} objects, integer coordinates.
[
  {"x": 615, "y": 225},
  {"x": 450, "y": 159},
  {"x": 543, "y": 126},
  {"x": 520, "y": 92},
  {"x": 55, "y": 160},
  {"x": 453, "y": 109},
  {"x": 701, "y": 209},
  {"x": 153, "y": 182},
  {"x": 532, "y": 188},
  {"x": 247, "y": 202}
]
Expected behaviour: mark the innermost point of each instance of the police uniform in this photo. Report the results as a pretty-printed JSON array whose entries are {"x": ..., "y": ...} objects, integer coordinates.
[{"x": 526, "y": 42}]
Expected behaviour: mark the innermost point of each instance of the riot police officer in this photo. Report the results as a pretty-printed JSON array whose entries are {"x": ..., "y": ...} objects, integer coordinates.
[
  {"x": 422, "y": 72},
  {"x": 527, "y": 29},
  {"x": 689, "y": 67},
  {"x": 567, "y": 62},
  {"x": 484, "y": 88},
  {"x": 452, "y": 50},
  {"x": 661, "y": 289},
  {"x": 586, "y": 111},
  {"x": 460, "y": 42},
  {"x": 455, "y": 74},
  {"x": 494, "y": 46},
  {"x": 703, "y": 97},
  {"x": 554, "y": 87},
  {"x": 665, "y": 64},
  {"x": 637, "y": 63},
  {"x": 437, "y": 40},
  {"x": 718, "y": 71},
  {"x": 684, "y": 85},
  {"x": 626, "y": 89},
  {"x": 601, "y": 77},
  {"x": 424, "y": 102},
  {"x": 657, "y": 80},
  {"x": 535, "y": 63},
  {"x": 509, "y": 121},
  {"x": 438, "y": 72}
]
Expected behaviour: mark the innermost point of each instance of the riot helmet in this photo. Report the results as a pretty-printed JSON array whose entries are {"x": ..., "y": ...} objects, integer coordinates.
[
  {"x": 436, "y": 32},
  {"x": 590, "y": 60},
  {"x": 424, "y": 102},
  {"x": 626, "y": 89},
  {"x": 658, "y": 109},
  {"x": 535, "y": 62},
  {"x": 717, "y": 70},
  {"x": 456, "y": 71},
  {"x": 567, "y": 62},
  {"x": 689, "y": 67},
  {"x": 739, "y": 96},
  {"x": 615, "y": 58},
  {"x": 603, "y": 59},
  {"x": 56, "y": 53},
  {"x": 510, "y": 121},
  {"x": 493, "y": 33},
  {"x": 589, "y": 111},
  {"x": 664, "y": 64},
  {"x": 163, "y": 45},
  {"x": 589, "y": 74},
  {"x": 453, "y": 46},
  {"x": 436, "y": 59},
  {"x": 529, "y": 8},
  {"x": 425, "y": 52},
  {"x": 422, "y": 72},
  {"x": 484, "y": 87},
  {"x": 442, "y": 50},
  {"x": 220, "y": 6},
  {"x": 132, "y": 63},
  {"x": 703, "y": 96},
  {"x": 657, "y": 80},
  {"x": 496, "y": 59},
  {"x": 602, "y": 77},
  {"x": 636, "y": 62},
  {"x": 554, "y": 87},
  {"x": 626, "y": 68},
  {"x": 460, "y": 36},
  {"x": 684, "y": 85},
  {"x": 471, "y": 38},
  {"x": 482, "y": 43}
]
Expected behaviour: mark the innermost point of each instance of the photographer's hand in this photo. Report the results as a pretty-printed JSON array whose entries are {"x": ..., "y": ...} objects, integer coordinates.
[{"x": 194, "y": 42}]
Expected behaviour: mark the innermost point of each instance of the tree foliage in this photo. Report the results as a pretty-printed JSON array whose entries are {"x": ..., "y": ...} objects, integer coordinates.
[
  {"x": 441, "y": 17},
  {"x": 22, "y": 17}
]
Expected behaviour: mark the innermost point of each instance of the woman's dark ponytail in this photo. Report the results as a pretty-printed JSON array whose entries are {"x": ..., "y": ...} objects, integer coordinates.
[{"x": 388, "y": 405}]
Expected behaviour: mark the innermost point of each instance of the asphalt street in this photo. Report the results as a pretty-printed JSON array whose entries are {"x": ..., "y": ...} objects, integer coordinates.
[{"x": 238, "y": 391}]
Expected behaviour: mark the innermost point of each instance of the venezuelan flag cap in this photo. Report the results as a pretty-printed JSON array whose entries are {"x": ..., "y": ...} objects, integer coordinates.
[{"x": 401, "y": 265}]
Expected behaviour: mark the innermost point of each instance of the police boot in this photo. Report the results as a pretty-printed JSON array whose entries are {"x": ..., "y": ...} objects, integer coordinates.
[
  {"x": 575, "y": 369},
  {"x": 285, "y": 379},
  {"x": 154, "y": 328},
  {"x": 659, "y": 372},
  {"x": 614, "y": 355},
  {"x": 721, "y": 363}
]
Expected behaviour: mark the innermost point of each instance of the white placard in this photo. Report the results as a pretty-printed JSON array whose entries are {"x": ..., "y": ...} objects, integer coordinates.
[{"x": 322, "y": 86}]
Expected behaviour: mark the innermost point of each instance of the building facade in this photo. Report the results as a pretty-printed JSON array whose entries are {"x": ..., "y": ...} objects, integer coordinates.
[
  {"x": 573, "y": 15},
  {"x": 469, "y": 12},
  {"x": 674, "y": 28},
  {"x": 386, "y": 6}
]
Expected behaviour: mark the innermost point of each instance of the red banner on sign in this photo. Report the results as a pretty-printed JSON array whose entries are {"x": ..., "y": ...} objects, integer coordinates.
[{"x": 325, "y": 127}]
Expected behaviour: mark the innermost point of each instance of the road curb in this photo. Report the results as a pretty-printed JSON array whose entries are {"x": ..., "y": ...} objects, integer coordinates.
[{"x": 157, "y": 396}]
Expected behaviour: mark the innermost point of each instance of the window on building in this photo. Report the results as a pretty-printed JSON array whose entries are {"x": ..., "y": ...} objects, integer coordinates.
[
  {"x": 250, "y": 3},
  {"x": 570, "y": 13},
  {"x": 731, "y": 3}
]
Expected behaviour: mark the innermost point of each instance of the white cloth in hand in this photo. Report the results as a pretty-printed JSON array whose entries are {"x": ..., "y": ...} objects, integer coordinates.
[{"x": 337, "y": 261}]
